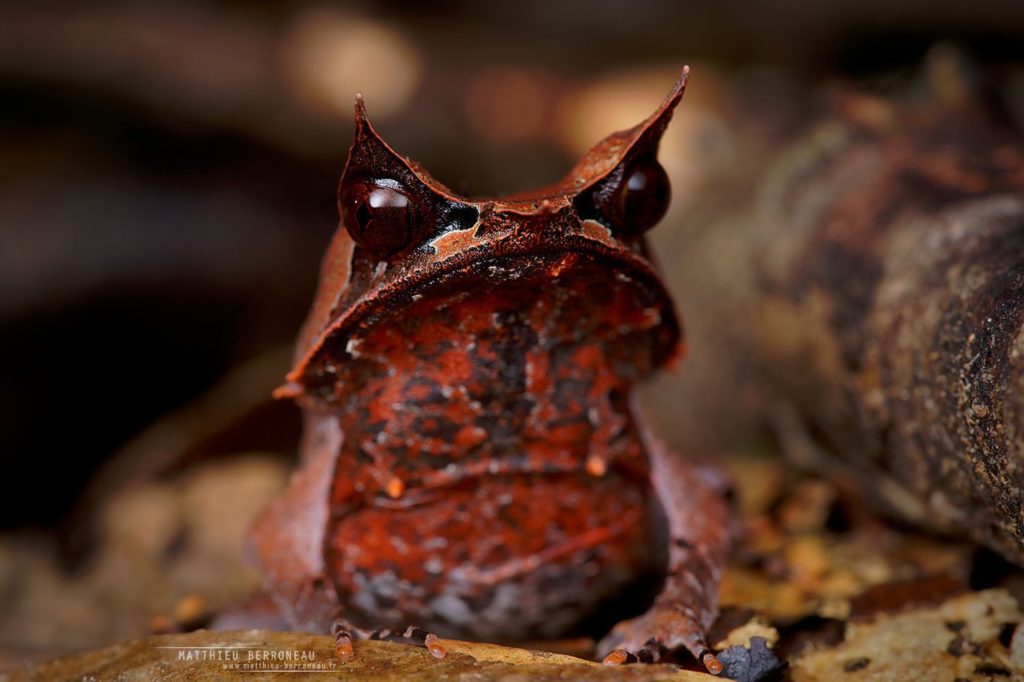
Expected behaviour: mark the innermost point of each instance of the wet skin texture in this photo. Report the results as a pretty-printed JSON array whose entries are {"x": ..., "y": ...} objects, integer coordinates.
[{"x": 472, "y": 463}]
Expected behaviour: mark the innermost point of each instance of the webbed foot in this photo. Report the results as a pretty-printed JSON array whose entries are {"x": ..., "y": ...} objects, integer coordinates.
[
  {"x": 663, "y": 628},
  {"x": 345, "y": 633}
]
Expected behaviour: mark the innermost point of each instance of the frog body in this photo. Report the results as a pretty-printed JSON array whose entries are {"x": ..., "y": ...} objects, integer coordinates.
[{"x": 472, "y": 462}]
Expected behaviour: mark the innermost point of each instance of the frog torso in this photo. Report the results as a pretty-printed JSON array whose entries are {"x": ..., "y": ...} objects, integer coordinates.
[
  {"x": 471, "y": 462},
  {"x": 477, "y": 460}
]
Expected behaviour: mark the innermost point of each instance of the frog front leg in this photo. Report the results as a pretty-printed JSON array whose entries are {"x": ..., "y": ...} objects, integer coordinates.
[
  {"x": 288, "y": 541},
  {"x": 695, "y": 506},
  {"x": 311, "y": 602},
  {"x": 343, "y": 632}
]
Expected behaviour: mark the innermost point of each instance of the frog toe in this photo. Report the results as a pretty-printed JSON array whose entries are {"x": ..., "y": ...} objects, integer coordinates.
[{"x": 648, "y": 637}]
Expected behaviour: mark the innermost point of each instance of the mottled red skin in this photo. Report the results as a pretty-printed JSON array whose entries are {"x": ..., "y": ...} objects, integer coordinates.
[{"x": 472, "y": 463}]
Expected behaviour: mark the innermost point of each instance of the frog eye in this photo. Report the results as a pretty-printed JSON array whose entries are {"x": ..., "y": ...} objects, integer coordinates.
[
  {"x": 635, "y": 199},
  {"x": 381, "y": 216}
]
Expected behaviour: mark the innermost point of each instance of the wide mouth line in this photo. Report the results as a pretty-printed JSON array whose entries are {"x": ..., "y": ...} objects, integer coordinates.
[
  {"x": 464, "y": 263},
  {"x": 402, "y": 292}
]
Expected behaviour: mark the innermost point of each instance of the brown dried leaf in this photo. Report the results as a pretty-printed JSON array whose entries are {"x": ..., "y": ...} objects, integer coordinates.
[
  {"x": 159, "y": 657},
  {"x": 957, "y": 640}
]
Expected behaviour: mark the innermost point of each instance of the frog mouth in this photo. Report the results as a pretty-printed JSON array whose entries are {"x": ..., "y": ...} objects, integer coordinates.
[{"x": 595, "y": 291}]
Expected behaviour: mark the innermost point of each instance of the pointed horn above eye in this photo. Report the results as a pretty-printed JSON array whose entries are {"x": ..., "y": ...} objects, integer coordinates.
[
  {"x": 623, "y": 145},
  {"x": 658, "y": 121},
  {"x": 362, "y": 121},
  {"x": 371, "y": 156}
]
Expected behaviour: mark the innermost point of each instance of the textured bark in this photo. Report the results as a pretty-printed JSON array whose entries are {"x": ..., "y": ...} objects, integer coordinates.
[{"x": 869, "y": 305}]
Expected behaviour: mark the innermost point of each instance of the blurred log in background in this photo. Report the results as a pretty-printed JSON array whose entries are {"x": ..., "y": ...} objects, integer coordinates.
[{"x": 869, "y": 307}]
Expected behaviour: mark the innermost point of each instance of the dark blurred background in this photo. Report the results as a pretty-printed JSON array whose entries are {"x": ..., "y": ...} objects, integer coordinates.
[{"x": 168, "y": 169}]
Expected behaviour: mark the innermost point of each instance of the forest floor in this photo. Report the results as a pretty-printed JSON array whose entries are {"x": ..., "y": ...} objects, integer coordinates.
[{"x": 818, "y": 588}]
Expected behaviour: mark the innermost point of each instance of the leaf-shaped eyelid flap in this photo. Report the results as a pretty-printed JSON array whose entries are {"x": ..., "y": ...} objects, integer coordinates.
[
  {"x": 371, "y": 159},
  {"x": 622, "y": 147}
]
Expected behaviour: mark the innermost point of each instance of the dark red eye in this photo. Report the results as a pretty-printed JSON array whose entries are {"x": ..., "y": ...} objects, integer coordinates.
[
  {"x": 640, "y": 199},
  {"x": 381, "y": 218}
]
